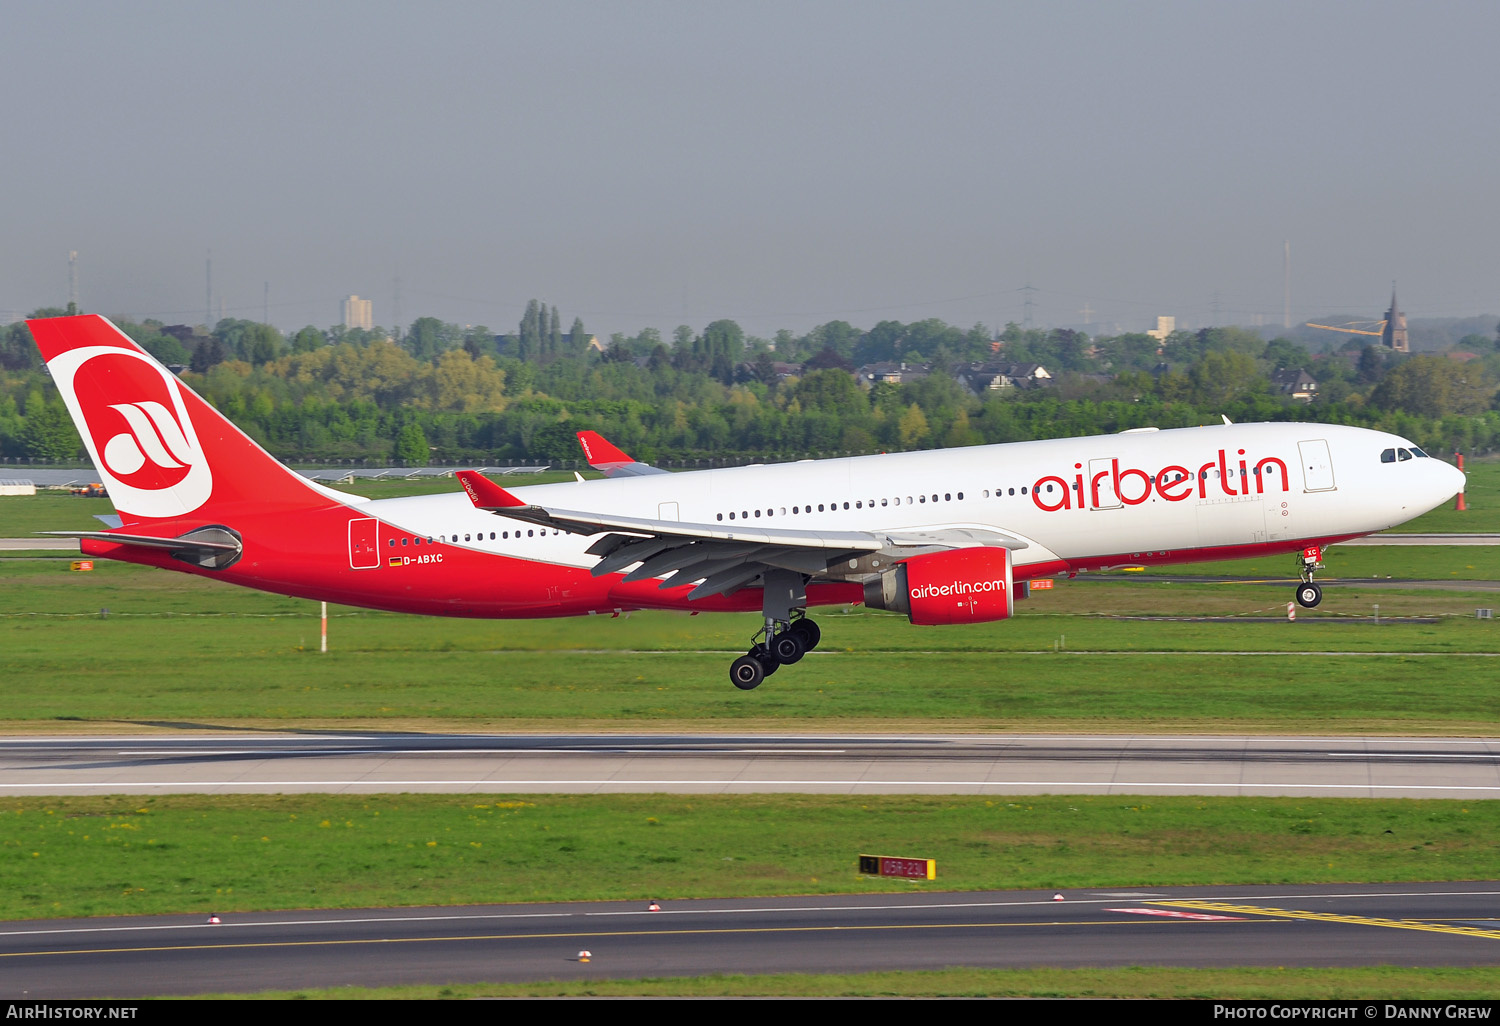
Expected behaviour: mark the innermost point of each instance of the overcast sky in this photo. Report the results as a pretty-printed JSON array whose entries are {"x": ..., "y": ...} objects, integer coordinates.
[{"x": 779, "y": 163}]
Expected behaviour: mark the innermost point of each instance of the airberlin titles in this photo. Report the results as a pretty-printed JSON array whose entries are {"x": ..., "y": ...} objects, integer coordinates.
[
  {"x": 1173, "y": 483},
  {"x": 956, "y": 588}
]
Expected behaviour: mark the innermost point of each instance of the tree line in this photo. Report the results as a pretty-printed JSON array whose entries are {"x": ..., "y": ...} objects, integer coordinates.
[{"x": 440, "y": 392}]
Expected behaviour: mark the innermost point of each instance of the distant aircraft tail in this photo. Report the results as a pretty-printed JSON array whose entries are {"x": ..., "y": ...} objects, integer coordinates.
[{"x": 162, "y": 451}]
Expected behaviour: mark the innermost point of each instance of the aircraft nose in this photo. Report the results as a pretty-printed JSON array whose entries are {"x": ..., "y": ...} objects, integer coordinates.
[{"x": 1458, "y": 479}]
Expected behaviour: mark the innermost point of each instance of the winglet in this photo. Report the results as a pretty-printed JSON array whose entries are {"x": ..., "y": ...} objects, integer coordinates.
[
  {"x": 484, "y": 493},
  {"x": 598, "y": 450},
  {"x": 607, "y": 458}
]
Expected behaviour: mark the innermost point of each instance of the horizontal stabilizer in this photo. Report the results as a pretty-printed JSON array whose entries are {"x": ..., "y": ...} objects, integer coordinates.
[{"x": 211, "y": 547}]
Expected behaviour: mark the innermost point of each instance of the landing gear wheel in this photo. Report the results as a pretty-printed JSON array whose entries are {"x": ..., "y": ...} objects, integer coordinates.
[
  {"x": 811, "y": 635},
  {"x": 768, "y": 662},
  {"x": 788, "y": 647},
  {"x": 746, "y": 673},
  {"x": 1309, "y": 595}
]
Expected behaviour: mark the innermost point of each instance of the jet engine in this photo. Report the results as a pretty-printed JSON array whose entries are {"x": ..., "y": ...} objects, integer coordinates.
[{"x": 959, "y": 586}]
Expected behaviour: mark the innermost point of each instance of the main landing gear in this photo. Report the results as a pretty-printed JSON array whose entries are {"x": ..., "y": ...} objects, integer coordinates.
[
  {"x": 785, "y": 644},
  {"x": 1311, "y": 560},
  {"x": 787, "y": 636}
]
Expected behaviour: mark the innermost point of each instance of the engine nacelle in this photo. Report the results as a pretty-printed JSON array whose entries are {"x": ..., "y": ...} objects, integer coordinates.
[{"x": 960, "y": 586}]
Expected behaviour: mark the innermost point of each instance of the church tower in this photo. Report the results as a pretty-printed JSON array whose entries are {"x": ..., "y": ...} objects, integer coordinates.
[{"x": 1394, "y": 334}]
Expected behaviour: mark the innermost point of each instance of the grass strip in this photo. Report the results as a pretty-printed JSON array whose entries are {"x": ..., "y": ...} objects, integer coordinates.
[
  {"x": 1375, "y": 983},
  {"x": 117, "y": 855}
]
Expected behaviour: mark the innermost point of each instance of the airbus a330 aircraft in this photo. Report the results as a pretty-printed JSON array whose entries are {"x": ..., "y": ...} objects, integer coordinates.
[{"x": 946, "y": 537}]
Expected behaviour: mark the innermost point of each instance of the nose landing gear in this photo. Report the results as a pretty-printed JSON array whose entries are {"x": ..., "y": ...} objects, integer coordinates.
[{"x": 1311, "y": 560}]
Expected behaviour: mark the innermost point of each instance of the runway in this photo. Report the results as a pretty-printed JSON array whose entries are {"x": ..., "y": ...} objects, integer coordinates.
[
  {"x": 373, "y": 762},
  {"x": 1414, "y": 925}
]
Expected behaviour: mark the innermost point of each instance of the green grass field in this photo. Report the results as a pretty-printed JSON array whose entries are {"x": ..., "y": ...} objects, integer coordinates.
[
  {"x": 1182, "y": 984},
  {"x": 139, "y": 855},
  {"x": 174, "y": 648},
  {"x": 1376, "y": 983}
]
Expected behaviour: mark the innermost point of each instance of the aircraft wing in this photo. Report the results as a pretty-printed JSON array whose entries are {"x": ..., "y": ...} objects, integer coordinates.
[{"x": 726, "y": 557}]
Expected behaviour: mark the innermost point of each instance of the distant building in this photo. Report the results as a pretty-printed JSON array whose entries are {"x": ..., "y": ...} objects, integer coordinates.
[
  {"x": 1164, "y": 327},
  {"x": 874, "y": 373},
  {"x": 987, "y": 377},
  {"x": 359, "y": 313},
  {"x": 1394, "y": 335},
  {"x": 1296, "y": 383}
]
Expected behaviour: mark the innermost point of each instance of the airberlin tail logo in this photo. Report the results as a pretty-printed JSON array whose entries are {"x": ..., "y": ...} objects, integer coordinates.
[
  {"x": 134, "y": 421},
  {"x": 153, "y": 436}
]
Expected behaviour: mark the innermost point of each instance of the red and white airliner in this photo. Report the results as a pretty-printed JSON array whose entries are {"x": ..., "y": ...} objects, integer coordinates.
[{"x": 946, "y": 537}]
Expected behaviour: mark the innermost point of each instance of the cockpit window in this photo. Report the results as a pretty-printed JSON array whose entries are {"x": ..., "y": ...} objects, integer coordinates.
[
  {"x": 1388, "y": 456},
  {"x": 1418, "y": 452},
  {"x": 1403, "y": 455}
]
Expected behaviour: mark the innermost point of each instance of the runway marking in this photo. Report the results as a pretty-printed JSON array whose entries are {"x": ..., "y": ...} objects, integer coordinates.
[
  {"x": 1333, "y": 917},
  {"x": 507, "y": 786},
  {"x": 758, "y": 909},
  {"x": 705, "y": 749},
  {"x": 1409, "y": 755},
  {"x": 1173, "y": 914},
  {"x": 600, "y": 935},
  {"x": 677, "y": 740}
]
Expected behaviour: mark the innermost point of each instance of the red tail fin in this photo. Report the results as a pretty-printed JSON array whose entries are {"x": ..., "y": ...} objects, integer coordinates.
[{"x": 163, "y": 452}]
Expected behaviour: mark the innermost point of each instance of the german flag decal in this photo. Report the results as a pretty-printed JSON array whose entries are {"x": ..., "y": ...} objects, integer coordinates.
[{"x": 395, "y": 561}]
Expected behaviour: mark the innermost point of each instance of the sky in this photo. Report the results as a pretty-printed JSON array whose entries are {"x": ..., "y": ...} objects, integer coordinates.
[{"x": 783, "y": 164}]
